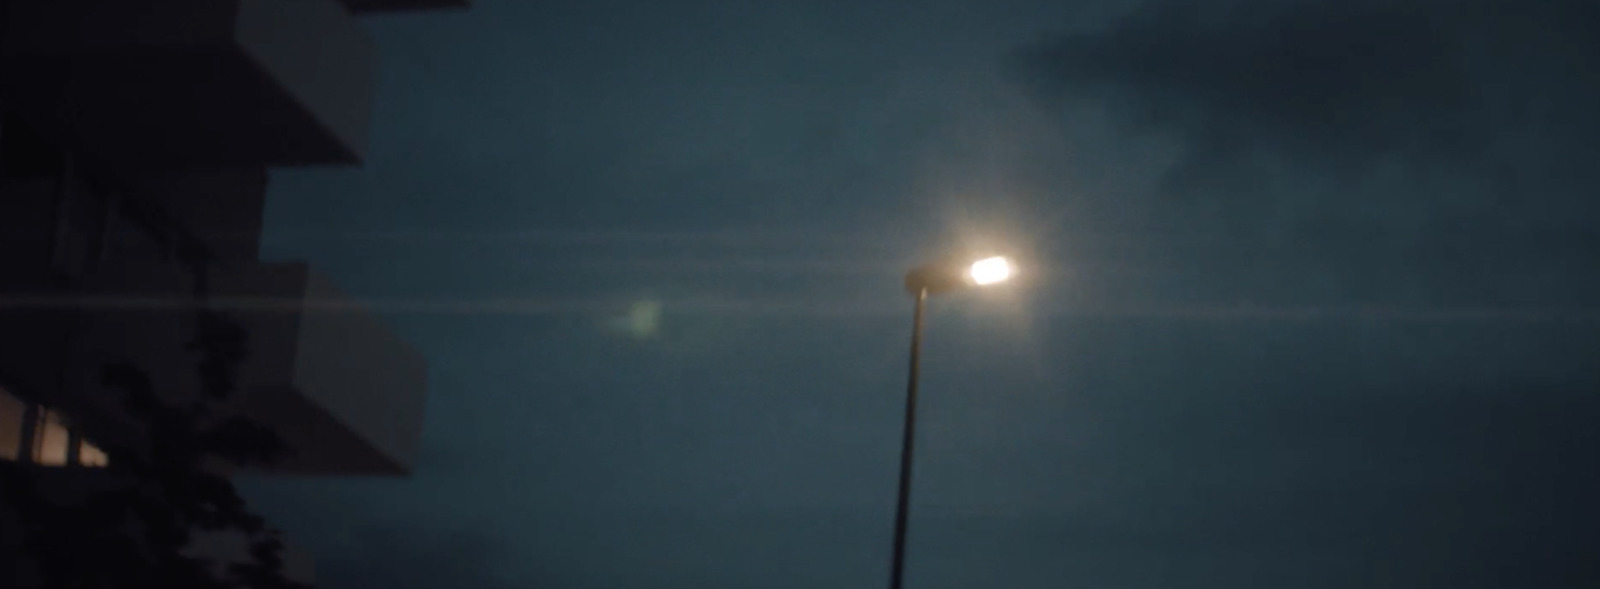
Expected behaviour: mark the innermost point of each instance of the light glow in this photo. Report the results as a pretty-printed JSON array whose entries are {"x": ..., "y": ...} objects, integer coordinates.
[{"x": 990, "y": 271}]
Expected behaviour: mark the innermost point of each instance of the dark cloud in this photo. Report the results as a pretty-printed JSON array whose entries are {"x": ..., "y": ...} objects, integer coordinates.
[
  {"x": 356, "y": 541},
  {"x": 1339, "y": 82},
  {"x": 421, "y": 559}
]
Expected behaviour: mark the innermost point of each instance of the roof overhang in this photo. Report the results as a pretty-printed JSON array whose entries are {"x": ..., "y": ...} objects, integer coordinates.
[{"x": 380, "y": 6}]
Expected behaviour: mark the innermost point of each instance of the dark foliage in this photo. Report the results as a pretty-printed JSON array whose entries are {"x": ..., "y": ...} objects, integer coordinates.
[{"x": 134, "y": 533}]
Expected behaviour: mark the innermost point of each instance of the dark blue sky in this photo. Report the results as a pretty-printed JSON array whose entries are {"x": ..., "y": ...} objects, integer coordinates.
[{"x": 1310, "y": 301}]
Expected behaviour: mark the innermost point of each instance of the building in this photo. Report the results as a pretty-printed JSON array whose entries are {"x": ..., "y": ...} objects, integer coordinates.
[{"x": 135, "y": 146}]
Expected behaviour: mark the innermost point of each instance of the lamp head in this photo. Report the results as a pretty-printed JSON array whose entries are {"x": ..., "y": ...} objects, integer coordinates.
[
  {"x": 945, "y": 277},
  {"x": 990, "y": 271}
]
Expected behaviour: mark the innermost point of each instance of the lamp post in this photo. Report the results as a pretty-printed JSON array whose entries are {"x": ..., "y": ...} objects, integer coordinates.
[{"x": 921, "y": 282}]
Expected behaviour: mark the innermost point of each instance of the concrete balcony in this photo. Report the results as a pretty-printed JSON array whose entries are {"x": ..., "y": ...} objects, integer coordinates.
[
  {"x": 344, "y": 392},
  {"x": 222, "y": 208},
  {"x": 347, "y": 393},
  {"x": 363, "y": 6},
  {"x": 194, "y": 83}
]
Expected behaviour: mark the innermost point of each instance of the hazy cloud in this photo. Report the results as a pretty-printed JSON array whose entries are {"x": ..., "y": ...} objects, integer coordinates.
[
  {"x": 1343, "y": 83},
  {"x": 422, "y": 559}
]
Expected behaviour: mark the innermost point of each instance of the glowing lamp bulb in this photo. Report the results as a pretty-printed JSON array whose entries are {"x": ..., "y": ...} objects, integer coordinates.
[{"x": 990, "y": 271}]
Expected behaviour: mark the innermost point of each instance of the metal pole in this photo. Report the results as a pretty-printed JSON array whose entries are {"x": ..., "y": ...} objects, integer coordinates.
[{"x": 897, "y": 569}]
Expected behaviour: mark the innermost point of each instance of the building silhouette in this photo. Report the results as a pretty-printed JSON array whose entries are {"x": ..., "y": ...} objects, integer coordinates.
[{"x": 135, "y": 145}]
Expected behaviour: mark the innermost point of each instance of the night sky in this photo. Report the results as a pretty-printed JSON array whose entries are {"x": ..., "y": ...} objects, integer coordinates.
[{"x": 1310, "y": 295}]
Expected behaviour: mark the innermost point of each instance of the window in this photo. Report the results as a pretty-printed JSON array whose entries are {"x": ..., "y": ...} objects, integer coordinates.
[
  {"x": 12, "y": 412},
  {"x": 89, "y": 455},
  {"x": 53, "y": 443},
  {"x": 50, "y": 439}
]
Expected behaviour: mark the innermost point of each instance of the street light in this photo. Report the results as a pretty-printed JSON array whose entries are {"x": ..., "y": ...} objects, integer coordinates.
[
  {"x": 990, "y": 271},
  {"x": 921, "y": 282}
]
